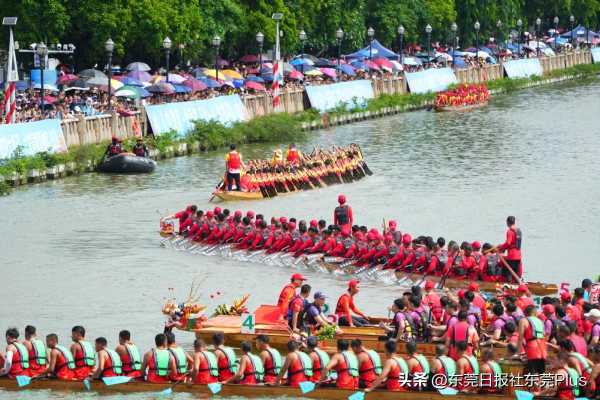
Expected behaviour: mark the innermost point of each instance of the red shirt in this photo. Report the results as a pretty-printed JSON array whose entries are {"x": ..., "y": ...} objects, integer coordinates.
[
  {"x": 511, "y": 245},
  {"x": 286, "y": 295},
  {"x": 344, "y": 307}
]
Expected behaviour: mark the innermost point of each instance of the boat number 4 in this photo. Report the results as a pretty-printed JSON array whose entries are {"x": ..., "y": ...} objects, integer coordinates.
[{"x": 248, "y": 323}]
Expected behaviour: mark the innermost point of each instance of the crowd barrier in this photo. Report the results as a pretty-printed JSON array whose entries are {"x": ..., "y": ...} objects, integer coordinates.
[{"x": 352, "y": 94}]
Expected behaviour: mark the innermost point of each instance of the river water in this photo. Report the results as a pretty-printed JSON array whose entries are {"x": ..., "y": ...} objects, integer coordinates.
[{"x": 85, "y": 250}]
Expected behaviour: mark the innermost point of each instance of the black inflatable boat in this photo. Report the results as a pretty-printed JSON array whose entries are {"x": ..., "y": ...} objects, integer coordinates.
[{"x": 127, "y": 163}]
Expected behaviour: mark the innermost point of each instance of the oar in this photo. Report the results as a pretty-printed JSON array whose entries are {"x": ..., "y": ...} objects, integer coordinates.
[
  {"x": 512, "y": 272},
  {"x": 168, "y": 391},
  {"x": 307, "y": 387},
  {"x": 115, "y": 380},
  {"x": 357, "y": 396},
  {"x": 443, "y": 280}
]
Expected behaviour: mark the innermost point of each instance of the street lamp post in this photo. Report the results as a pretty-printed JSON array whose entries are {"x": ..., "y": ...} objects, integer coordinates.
[
  {"x": 401, "y": 38},
  {"x": 428, "y": 29},
  {"x": 216, "y": 42},
  {"x": 339, "y": 36},
  {"x": 572, "y": 21},
  {"x": 519, "y": 25},
  {"x": 260, "y": 38},
  {"x": 302, "y": 36},
  {"x": 42, "y": 50},
  {"x": 556, "y": 20},
  {"x": 538, "y": 24},
  {"x": 181, "y": 47},
  {"x": 453, "y": 28},
  {"x": 477, "y": 26},
  {"x": 109, "y": 46},
  {"x": 167, "y": 46},
  {"x": 498, "y": 37},
  {"x": 370, "y": 34}
]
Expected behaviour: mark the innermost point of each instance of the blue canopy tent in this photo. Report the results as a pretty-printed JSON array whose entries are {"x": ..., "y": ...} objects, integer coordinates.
[
  {"x": 378, "y": 50},
  {"x": 579, "y": 32}
]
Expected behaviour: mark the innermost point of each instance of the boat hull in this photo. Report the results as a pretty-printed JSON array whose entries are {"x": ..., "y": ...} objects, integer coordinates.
[
  {"x": 127, "y": 164},
  {"x": 236, "y": 196},
  {"x": 461, "y": 108}
]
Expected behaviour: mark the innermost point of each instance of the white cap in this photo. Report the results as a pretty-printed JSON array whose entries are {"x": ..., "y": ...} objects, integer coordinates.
[{"x": 594, "y": 313}]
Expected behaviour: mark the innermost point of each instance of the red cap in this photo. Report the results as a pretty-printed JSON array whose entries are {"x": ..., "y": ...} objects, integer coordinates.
[
  {"x": 565, "y": 296},
  {"x": 429, "y": 285},
  {"x": 473, "y": 286},
  {"x": 298, "y": 277},
  {"x": 217, "y": 210},
  {"x": 353, "y": 283},
  {"x": 291, "y": 226},
  {"x": 237, "y": 213},
  {"x": 548, "y": 309},
  {"x": 341, "y": 199},
  {"x": 209, "y": 214},
  {"x": 371, "y": 236},
  {"x": 389, "y": 238},
  {"x": 522, "y": 288},
  {"x": 282, "y": 220},
  {"x": 250, "y": 214},
  {"x": 392, "y": 224},
  {"x": 115, "y": 138},
  {"x": 406, "y": 239},
  {"x": 461, "y": 293},
  {"x": 476, "y": 245},
  {"x": 314, "y": 223}
]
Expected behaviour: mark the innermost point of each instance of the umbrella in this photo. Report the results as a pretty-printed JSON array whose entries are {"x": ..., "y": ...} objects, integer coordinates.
[
  {"x": 49, "y": 99},
  {"x": 397, "y": 66},
  {"x": 162, "y": 88},
  {"x": 287, "y": 68},
  {"x": 232, "y": 74},
  {"x": 132, "y": 92},
  {"x": 253, "y": 71},
  {"x": 296, "y": 75},
  {"x": 302, "y": 61},
  {"x": 182, "y": 89},
  {"x": 323, "y": 62},
  {"x": 176, "y": 78},
  {"x": 138, "y": 66},
  {"x": 92, "y": 73},
  {"x": 347, "y": 69},
  {"x": 47, "y": 86},
  {"x": 222, "y": 63},
  {"x": 211, "y": 83},
  {"x": 258, "y": 79},
  {"x": 459, "y": 62},
  {"x": 249, "y": 59},
  {"x": 314, "y": 72},
  {"x": 483, "y": 54},
  {"x": 213, "y": 74},
  {"x": 443, "y": 56},
  {"x": 307, "y": 57},
  {"x": 411, "y": 61},
  {"x": 371, "y": 65},
  {"x": 126, "y": 80},
  {"x": 267, "y": 77},
  {"x": 359, "y": 65},
  {"x": 255, "y": 86},
  {"x": 66, "y": 78},
  {"x": 141, "y": 76},
  {"x": 195, "y": 85},
  {"x": 266, "y": 70},
  {"x": 98, "y": 81},
  {"x": 330, "y": 72},
  {"x": 383, "y": 63}
]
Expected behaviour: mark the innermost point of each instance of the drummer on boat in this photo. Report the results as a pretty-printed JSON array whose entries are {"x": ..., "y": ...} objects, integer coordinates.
[
  {"x": 233, "y": 168},
  {"x": 345, "y": 307},
  {"x": 293, "y": 155},
  {"x": 288, "y": 292}
]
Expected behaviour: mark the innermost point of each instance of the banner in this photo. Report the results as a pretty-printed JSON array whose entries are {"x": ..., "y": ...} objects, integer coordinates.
[
  {"x": 351, "y": 94},
  {"x": 596, "y": 55},
  {"x": 50, "y": 77},
  {"x": 523, "y": 68},
  {"x": 180, "y": 116},
  {"x": 33, "y": 137},
  {"x": 430, "y": 80}
]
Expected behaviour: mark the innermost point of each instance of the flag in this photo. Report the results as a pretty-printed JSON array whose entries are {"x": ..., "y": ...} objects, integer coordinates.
[
  {"x": 277, "y": 71},
  {"x": 12, "y": 76}
]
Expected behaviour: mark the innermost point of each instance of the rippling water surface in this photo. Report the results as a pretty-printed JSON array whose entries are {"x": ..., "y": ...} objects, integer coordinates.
[{"x": 84, "y": 250}]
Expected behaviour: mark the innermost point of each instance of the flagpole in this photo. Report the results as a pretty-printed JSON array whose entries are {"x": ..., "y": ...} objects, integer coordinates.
[
  {"x": 12, "y": 75},
  {"x": 277, "y": 68}
]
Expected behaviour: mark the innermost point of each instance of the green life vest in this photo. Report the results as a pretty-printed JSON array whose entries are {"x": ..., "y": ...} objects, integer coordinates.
[
  {"x": 324, "y": 360},
  {"x": 231, "y": 358},
  {"x": 134, "y": 356},
  {"x": 213, "y": 363},
  {"x": 23, "y": 354},
  {"x": 583, "y": 361},
  {"x": 306, "y": 363},
  {"x": 39, "y": 349},
  {"x": 376, "y": 360},
  {"x": 574, "y": 377},
  {"x": 70, "y": 361},
  {"x": 537, "y": 327},
  {"x": 117, "y": 364},
  {"x": 180, "y": 359},
  {"x": 449, "y": 365},
  {"x": 403, "y": 366},
  {"x": 496, "y": 369},
  {"x": 89, "y": 355},
  {"x": 257, "y": 365},
  {"x": 424, "y": 363},
  {"x": 474, "y": 364},
  {"x": 277, "y": 361},
  {"x": 351, "y": 363},
  {"x": 161, "y": 361}
]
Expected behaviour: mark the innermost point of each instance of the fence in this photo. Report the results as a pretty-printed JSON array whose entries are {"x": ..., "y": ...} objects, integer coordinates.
[{"x": 89, "y": 130}]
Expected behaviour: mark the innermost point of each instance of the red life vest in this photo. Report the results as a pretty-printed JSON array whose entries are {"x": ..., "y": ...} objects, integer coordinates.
[
  {"x": 204, "y": 376},
  {"x": 366, "y": 371},
  {"x": 344, "y": 379},
  {"x": 108, "y": 370},
  {"x": 115, "y": 149},
  {"x": 393, "y": 379},
  {"x": 296, "y": 373},
  {"x": 293, "y": 156},
  {"x": 139, "y": 151},
  {"x": 249, "y": 377},
  {"x": 223, "y": 364},
  {"x": 342, "y": 215},
  {"x": 61, "y": 369},
  {"x": 234, "y": 161}
]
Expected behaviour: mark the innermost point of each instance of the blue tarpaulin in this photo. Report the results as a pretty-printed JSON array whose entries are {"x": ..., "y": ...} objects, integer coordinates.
[
  {"x": 33, "y": 137},
  {"x": 523, "y": 68},
  {"x": 378, "y": 51},
  {"x": 430, "y": 80},
  {"x": 351, "y": 93}
]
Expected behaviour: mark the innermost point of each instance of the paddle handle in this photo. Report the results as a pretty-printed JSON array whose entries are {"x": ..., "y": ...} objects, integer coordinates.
[{"x": 512, "y": 272}]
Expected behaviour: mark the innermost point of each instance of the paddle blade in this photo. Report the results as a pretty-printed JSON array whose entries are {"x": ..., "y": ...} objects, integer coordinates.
[
  {"x": 357, "y": 396},
  {"x": 23, "y": 380},
  {"x": 307, "y": 387},
  {"x": 166, "y": 392},
  {"x": 115, "y": 380},
  {"x": 523, "y": 395},
  {"x": 448, "y": 391},
  {"x": 87, "y": 384},
  {"x": 214, "y": 387}
]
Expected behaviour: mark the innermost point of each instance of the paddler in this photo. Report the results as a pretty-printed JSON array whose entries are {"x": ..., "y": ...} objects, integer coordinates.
[
  {"x": 277, "y": 159},
  {"x": 83, "y": 353},
  {"x": 512, "y": 245},
  {"x": 345, "y": 307},
  {"x": 564, "y": 384},
  {"x": 109, "y": 363},
  {"x": 61, "y": 364},
  {"x": 270, "y": 357},
  {"x": 532, "y": 336},
  {"x": 226, "y": 358},
  {"x": 288, "y": 292},
  {"x": 140, "y": 149},
  {"x": 466, "y": 365},
  {"x": 319, "y": 358},
  {"x": 233, "y": 168},
  {"x": 16, "y": 359},
  {"x": 250, "y": 370},
  {"x": 369, "y": 363},
  {"x": 342, "y": 215},
  {"x": 158, "y": 364},
  {"x": 443, "y": 365},
  {"x": 38, "y": 354},
  {"x": 205, "y": 369},
  {"x": 297, "y": 365},
  {"x": 394, "y": 373},
  {"x": 345, "y": 363},
  {"x": 490, "y": 373},
  {"x": 460, "y": 332},
  {"x": 293, "y": 155},
  {"x": 114, "y": 148},
  {"x": 296, "y": 309},
  {"x": 131, "y": 358},
  {"x": 182, "y": 359}
]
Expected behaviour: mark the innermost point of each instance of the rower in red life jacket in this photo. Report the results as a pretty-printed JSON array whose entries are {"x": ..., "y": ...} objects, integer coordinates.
[
  {"x": 250, "y": 370},
  {"x": 532, "y": 336},
  {"x": 158, "y": 364},
  {"x": 461, "y": 331},
  {"x": 293, "y": 155},
  {"x": 342, "y": 215},
  {"x": 205, "y": 368},
  {"x": 345, "y": 307},
  {"x": 297, "y": 365},
  {"x": 418, "y": 366},
  {"x": 226, "y": 358},
  {"x": 114, "y": 148},
  {"x": 140, "y": 149},
  {"x": 564, "y": 385},
  {"x": 394, "y": 374},
  {"x": 109, "y": 363},
  {"x": 61, "y": 364},
  {"x": 182, "y": 359},
  {"x": 490, "y": 373},
  {"x": 403, "y": 252},
  {"x": 369, "y": 363},
  {"x": 443, "y": 365},
  {"x": 131, "y": 358},
  {"x": 345, "y": 363},
  {"x": 318, "y": 357},
  {"x": 83, "y": 352},
  {"x": 38, "y": 353},
  {"x": 466, "y": 365},
  {"x": 288, "y": 292},
  {"x": 512, "y": 246},
  {"x": 270, "y": 357},
  {"x": 16, "y": 360}
]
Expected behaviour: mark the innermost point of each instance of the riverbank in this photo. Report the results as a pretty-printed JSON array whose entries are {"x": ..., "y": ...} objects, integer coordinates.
[{"x": 279, "y": 127}]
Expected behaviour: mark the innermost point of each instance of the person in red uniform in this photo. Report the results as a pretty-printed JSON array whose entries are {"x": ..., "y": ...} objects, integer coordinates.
[
  {"x": 150, "y": 368},
  {"x": 342, "y": 215},
  {"x": 293, "y": 155},
  {"x": 512, "y": 245},
  {"x": 58, "y": 360},
  {"x": 561, "y": 387},
  {"x": 340, "y": 363},
  {"x": 114, "y": 148},
  {"x": 226, "y": 359},
  {"x": 318, "y": 357},
  {"x": 130, "y": 355},
  {"x": 205, "y": 369},
  {"x": 459, "y": 332},
  {"x": 16, "y": 361},
  {"x": 532, "y": 336},
  {"x": 417, "y": 364},
  {"x": 140, "y": 149},
  {"x": 464, "y": 366},
  {"x": 293, "y": 366},
  {"x": 288, "y": 292},
  {"x": 394, "y": 372},
  {"x": 270, "y": 357},
  {"x": 38, "y": 363},
  {"x": 233, "y": 168},
  {"x": 369, "y": 364},
  {"x": 345, "y": 307},
  {"x": 246, "y": 371},
  {"x": 489, "y": 370},
  {"x": 83, "y": 352},
  {"x": 106, "y": 365}
]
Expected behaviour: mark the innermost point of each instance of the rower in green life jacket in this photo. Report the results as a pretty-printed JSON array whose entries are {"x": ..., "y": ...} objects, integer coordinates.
[
  {"x": 250, "y": 370},
  {"x": 38, "y": 353},
  {"x": 270, "y": 357},
  {"x": 131, "y": 358},
  {"x": 158, "y": 364},
  {"x": 226, "y": 358},
  {"x": 182, "y": 359},
  {"x": 109, "y": 363},
  {"x": 369, "y": 363},
  {"x": 205, "y": 368},
  {"x": 83, "y": 352}
]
